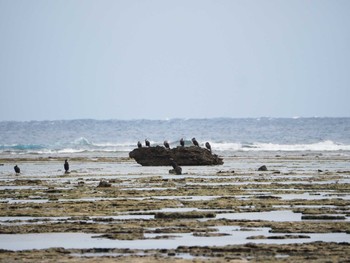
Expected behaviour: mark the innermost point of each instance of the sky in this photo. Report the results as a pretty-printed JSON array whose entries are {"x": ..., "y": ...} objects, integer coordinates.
[{"x": 156, "y": 59}]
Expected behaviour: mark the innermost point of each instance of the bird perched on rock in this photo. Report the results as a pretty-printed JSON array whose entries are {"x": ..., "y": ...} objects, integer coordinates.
[
  {"x": 139, "y": 145},
  {"x": 177, "y": 169},
  {"x": 166, "y": 144},
  {"x": 194, "y": 141},
  {"x": 207, "y": 144},
  {"x": 182, "y": 142},
  {"x": 66, "y": 166},
  {"x": 147, "y": 143},
  {"x": 17, "y": 170}
]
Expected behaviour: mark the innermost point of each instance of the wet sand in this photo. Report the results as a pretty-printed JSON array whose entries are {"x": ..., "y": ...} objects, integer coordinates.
[{"x": 297, "y": 210}]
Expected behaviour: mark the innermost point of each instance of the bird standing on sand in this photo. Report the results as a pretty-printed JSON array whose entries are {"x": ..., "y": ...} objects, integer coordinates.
[
  {"x": 182, "y": 142},
  {"x": 166, "y": 144},
  {"x": 194, "y": 141},
  {"x": 139, "y": 145},
  {"x": 17, "y": 170},
  {"x": 207, "y": 144},
  {"x": 66, "y": 166},
  {"x": 147, "y": 143}
]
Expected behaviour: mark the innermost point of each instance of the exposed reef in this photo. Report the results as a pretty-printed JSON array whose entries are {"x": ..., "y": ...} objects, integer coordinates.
[{"x": 160, "y": 156}]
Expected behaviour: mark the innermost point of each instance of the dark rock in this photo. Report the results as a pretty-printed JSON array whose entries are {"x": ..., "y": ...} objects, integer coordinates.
[
  {"x": 160, "y": 156},
  {"x": 104, "y": 184},
  {"x": 190, "y": 214},
  {"x": 262, "y": 168}
]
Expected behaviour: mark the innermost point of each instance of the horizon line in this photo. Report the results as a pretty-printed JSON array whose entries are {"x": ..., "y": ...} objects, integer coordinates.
[{"x": 178, "y": 118}]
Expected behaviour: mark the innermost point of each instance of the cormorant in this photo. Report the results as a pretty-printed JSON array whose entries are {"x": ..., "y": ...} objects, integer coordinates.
[
  {"x": 139, "y": 145},
  {"x": 66, "y": 166},
  {"x": 195, "y": 142},
  {"x": 177, "y": 168},
  {"x": 166, "y": 144},
  {"x": 182, "y": 142},
  {"x": 17, "y": 170},
  {"x": 147, "y": 143},
  {"x": 207, "y": 144}
]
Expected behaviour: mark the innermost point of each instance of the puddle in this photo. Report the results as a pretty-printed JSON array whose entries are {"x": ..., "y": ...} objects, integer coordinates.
[
  {"x": 276, "y": 216},
  {"x": 21, "y": 187},
  {"x": 308, "y": 196},
  {"x": 81, "y": 240},
  {"x": 188, "y": 197}
]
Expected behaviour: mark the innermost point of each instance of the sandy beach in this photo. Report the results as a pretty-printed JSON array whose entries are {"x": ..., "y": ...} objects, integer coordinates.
[{"x": 297, "y": 210}]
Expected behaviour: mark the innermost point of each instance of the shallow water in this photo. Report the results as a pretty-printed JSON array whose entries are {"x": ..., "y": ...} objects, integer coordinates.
[{"x": 81, "y": 240}]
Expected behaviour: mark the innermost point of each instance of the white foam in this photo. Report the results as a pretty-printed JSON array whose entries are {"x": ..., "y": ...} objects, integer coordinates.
[{"x": 320, "y": 146}]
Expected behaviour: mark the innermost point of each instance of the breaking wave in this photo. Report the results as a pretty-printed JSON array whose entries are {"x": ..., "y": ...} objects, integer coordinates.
[
  {"x": 320, "y": 146},
  {"x": 84, "y": 145}
]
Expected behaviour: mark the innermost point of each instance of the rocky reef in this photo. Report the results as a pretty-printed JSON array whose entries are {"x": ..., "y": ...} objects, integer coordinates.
[{"x": 161, "y": 156}]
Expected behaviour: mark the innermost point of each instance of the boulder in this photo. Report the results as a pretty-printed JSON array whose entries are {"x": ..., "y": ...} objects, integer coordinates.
[
  {"x": 262, "y": 168},
  {"x": 160, "y": 156}
]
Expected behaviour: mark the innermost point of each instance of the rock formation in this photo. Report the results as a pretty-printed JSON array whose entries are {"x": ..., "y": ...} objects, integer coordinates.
[{"x": 160, "y": 156}]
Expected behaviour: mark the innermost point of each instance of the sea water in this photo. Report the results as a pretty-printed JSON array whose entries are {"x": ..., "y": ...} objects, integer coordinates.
[{"x": 226, "y": 135}]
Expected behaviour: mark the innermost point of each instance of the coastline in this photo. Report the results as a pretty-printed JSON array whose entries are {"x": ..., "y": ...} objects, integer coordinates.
[{"x": 212, "y": 213}]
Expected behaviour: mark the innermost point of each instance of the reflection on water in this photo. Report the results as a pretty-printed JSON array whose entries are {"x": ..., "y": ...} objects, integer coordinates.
[{"x": 234, "y": 236}]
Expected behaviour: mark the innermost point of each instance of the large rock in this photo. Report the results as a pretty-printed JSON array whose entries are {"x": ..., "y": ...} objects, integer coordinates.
[{"x": 160, "y": 156}]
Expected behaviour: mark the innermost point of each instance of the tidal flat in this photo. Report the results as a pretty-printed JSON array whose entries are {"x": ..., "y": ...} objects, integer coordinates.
[{"x": 297, "y": 210}]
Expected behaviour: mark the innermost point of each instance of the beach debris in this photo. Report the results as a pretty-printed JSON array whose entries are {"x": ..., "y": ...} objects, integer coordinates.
[
  {"x": 17, "y": 169},
  {"x": 104, "y": 184},
  {"x": 262, "y": 168}
]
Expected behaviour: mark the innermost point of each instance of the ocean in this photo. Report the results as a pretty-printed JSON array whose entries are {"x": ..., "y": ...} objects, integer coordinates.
[{"x": 227, "y": 136}]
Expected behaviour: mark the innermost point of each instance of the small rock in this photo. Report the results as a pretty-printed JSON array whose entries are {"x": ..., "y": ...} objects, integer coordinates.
[
  {"x": 104, "y": 184},
  {"x": 262, "y": 168}
]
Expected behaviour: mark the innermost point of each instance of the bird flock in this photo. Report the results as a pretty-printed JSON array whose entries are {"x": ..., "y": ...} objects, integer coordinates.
[{"x": 182, "y": 143}]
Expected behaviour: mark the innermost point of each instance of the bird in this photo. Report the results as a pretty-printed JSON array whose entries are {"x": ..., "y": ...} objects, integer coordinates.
[
  {"x": 17, "y": 170},
  {"x": 166, "y": 144},
  {"x": 207, "y": 144},
  {"x": 182, "y": 142},
  {"x": 66, "y": 166},
  {"x": 139, "y": 145},
  {"x": 195, "y": 142},
  {"x": 147, "y": 143},
  {"x": 177, "y": 168}
]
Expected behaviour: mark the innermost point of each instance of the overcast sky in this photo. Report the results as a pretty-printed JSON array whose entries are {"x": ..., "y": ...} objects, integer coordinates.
[{"x": 174, "y": 59}]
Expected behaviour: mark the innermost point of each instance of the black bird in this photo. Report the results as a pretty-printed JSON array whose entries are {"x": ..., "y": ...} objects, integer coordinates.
[
  {"x": 182, "y": 142},
  {"x": 207, "y": 144},
  {"x": 177, "y": 168},
  {"x": 17, "y": 170},
  {"x": 195, "y": 142},
  {"x": 139, "y": 145},
  {"x": 147, "y": 143},
  {"x": 166, "y": 144},
  {"x": 66, "y": 166}
]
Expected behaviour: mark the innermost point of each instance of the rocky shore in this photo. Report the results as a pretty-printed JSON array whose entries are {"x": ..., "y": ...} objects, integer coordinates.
[{"x": 296, "y": 210}]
